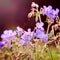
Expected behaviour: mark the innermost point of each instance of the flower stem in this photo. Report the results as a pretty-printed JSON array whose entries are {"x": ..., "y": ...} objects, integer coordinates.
[
  {"x": 50, "y": 53},
  {"x": 48, "y": 27},
  {"x": 39, "y": 18}
]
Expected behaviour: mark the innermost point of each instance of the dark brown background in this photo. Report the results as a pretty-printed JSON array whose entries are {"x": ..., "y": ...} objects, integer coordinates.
[{"x": 14, "y": 13}]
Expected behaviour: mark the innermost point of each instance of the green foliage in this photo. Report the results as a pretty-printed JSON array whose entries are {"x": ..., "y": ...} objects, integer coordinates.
[{"x": 38, "y": 51}]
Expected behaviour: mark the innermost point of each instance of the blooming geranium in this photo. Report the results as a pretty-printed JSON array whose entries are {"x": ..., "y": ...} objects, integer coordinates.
[
  {"x": 47, "y": 10},
  {"x": 39, "y": 29},
  {"x": 30, "y": 34},
  {"x": 7, "y": 36},
  {"x": 39, "y": 25},
  {"x": 54, "y": 13},
  {"x": 24, "y": 40},
  {"x": 1, "y": 44},
  {"x": 19, "y": 31},
  {"x": 40, "y": 32},
  {"x": 26, "y": 37},
  {"x": 51, "y": 13},
  {"x": 41, "y": 35},
  {"x": 45, "y": 37}
]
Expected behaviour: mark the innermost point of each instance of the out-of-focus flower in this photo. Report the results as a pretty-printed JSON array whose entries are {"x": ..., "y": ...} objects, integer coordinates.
[
  {"x": 26, "y": 37},
  {"x": 39, "y": 29},
  {"x": 24, "y": 40},
  {"x": 51, "y": 13},
  {"x": 40, "y": 33},
  {"x": 1, "y": 44},
  {"x": 45, "y": 37},
  {"x": 34, "y": 5},
  {"x": 47, "y": 10},
  {"x": 19, "y": 31},
  {"x": 30, "y": 34},
  {"x": 30, "y": 14},
  {"x": 40, "y": 25},
  {"x": 7, "y": 36}
]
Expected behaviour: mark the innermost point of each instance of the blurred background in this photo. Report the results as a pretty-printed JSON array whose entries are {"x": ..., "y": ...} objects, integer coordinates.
[{"x": 14, "y": 13}]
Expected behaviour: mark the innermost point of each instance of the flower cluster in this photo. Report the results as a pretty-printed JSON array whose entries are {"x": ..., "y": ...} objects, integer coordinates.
[
  {"x": 51, "y": 13},
  {"x": 19, "y": 31},
  {"x": 1, "y": 44},
  {"x": 7, "y": 36},
  {"x": 40, "y": 32},
  {"x": 25, "y": 37},
  {"x": 34, "y": 7}
]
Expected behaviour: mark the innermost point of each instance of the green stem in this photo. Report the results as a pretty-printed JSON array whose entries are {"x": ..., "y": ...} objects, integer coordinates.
[
  {"x": 50, "y": 54},
  {"x": 39, "y": 18},
  {"x": 48, "y": 27}
]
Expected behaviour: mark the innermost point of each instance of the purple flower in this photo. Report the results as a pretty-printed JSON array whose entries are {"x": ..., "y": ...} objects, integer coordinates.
[
  {"x": 24, "y": 40},
  {"x": 40, "y": 25},
  {"x": 51, "y": 13},
  {"x": 30, "y": 34},
  {"x": 19, "y": 31},
  {"x": 41, "y": 36},
  {"x": 47, "y": 10},
  {"x": 7, "y": 36},
  {"x": 45, "y": 38},
  {"x": 26, "y": 37},
  {"x": 40, "y": 33},
  {"x": 1, "y": 44},
  {"x": 39, "y": 29}
]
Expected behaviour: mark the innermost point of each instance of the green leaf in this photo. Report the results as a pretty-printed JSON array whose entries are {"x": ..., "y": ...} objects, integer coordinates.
[
  {"x": 47, "y": 20},
  {"x": 51, "y": 34},
  {"x": 55, "y": 56}
]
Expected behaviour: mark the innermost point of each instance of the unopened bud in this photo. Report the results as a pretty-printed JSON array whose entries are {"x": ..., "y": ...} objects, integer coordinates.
[
  {"x": 34, "y": 4},
  {"x": 30, "y": 14}
]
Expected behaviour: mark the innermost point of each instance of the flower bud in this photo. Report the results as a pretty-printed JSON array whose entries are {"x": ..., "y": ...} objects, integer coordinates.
[
  {"x": 30, "y": 14},
  {"x": 34, "y": 5}
]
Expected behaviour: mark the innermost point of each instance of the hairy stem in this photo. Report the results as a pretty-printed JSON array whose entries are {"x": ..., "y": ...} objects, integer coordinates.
[
  {"x": 48, "y": 27},
  {"x": 39, "y": 18}
]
